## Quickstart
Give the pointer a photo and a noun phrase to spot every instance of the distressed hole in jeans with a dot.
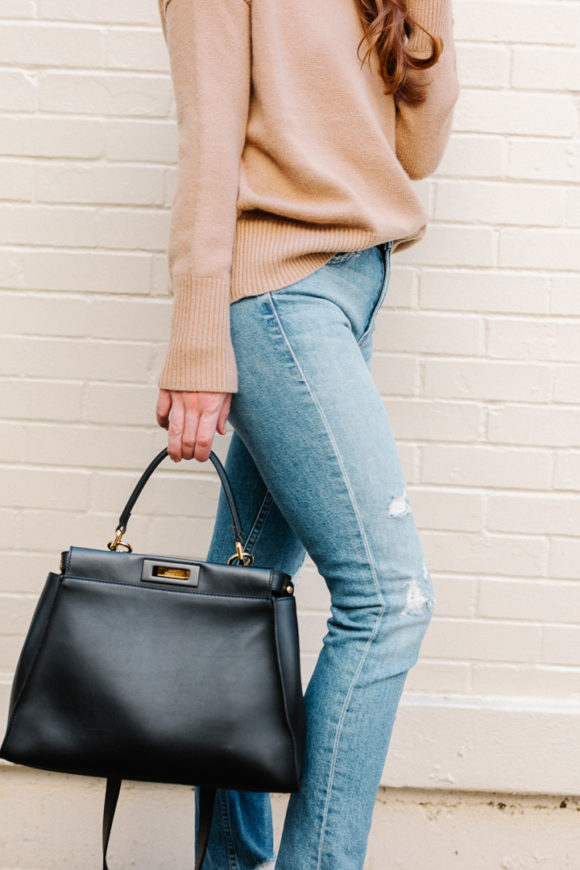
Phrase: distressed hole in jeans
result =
(399, 506)
(415, 598)
(429, 584)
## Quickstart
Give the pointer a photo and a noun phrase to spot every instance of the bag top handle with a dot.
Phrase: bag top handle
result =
(117, 542)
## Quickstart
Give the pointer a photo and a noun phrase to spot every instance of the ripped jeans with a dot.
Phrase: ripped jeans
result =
(315, 469)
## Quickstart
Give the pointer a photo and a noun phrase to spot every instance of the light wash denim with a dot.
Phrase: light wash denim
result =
(315, 469)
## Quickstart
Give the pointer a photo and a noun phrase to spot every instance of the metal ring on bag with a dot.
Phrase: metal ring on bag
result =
(240, 555)
(117, 542)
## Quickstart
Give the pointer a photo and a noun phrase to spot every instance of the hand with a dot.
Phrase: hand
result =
(191, 419)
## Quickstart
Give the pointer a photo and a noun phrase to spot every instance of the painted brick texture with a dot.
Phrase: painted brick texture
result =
(477, 349)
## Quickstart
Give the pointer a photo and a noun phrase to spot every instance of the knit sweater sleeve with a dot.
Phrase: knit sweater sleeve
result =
(423, 129)
(209, 55)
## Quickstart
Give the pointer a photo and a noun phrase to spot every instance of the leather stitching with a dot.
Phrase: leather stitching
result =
(175, 591)
(260, 520)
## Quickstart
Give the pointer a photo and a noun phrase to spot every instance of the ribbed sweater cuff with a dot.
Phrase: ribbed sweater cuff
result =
(434, 16)
(200, 354)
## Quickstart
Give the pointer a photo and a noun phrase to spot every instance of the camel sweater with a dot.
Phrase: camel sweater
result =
(288, 152)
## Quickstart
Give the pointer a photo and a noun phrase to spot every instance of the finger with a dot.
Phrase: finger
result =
(175, 429)
(205, 433)
(190, 423)
(163, 407)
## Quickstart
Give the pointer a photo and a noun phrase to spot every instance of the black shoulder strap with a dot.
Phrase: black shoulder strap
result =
(111, 798)
(207, 800)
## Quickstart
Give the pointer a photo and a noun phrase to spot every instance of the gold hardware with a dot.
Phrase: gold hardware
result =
(289, 589)
(240, 555)
(117, 542)
(179, 573)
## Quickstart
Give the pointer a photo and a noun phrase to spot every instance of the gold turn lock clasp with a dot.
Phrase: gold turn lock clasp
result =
(241, 555)
(176, 573)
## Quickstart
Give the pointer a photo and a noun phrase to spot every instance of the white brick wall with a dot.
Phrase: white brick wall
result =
(477, 350)
(478, 355)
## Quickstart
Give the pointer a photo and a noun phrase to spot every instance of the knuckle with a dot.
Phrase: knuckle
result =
(211, 405)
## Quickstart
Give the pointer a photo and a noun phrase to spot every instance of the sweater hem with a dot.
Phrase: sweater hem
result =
(283, 258)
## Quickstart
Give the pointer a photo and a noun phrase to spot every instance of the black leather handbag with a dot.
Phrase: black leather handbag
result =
(162, 669)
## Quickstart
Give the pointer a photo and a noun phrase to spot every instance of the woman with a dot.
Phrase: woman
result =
(293, 191)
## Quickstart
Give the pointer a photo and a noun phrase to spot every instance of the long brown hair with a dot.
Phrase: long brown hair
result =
(386, 22)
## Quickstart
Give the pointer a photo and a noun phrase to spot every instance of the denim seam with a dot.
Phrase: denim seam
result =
(339, 732)
(225, 816)
(336, 452)
(330, 782)
(260, 519)
(386, 257)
